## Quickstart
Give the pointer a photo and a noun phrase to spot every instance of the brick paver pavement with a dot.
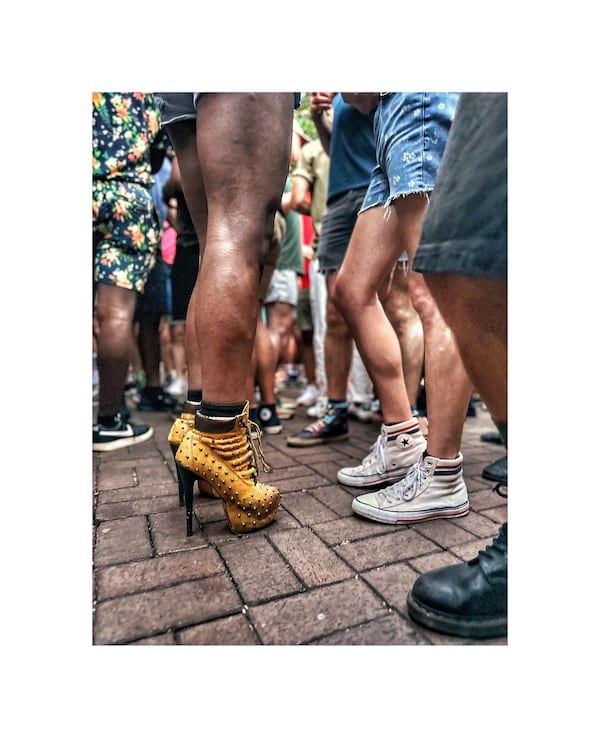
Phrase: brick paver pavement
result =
(318, 575)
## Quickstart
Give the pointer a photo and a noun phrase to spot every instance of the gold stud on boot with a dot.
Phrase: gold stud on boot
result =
(248, 503)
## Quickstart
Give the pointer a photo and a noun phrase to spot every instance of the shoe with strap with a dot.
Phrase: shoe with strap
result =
(468, 599)
(433, 488)
(398, 447)
(333, 426)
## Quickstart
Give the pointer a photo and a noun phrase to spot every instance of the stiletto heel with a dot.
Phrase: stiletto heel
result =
(221, 452)
(178, 430)
(187, 479)
(180, 427)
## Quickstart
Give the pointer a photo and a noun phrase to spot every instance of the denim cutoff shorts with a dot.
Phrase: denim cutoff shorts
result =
(465, 226)
(411, 129)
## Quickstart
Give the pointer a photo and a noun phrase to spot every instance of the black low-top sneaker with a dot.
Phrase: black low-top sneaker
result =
(120, 435)
(469, 599)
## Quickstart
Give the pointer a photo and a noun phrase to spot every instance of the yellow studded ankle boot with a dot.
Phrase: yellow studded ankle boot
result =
(220, 452)
(183, 424)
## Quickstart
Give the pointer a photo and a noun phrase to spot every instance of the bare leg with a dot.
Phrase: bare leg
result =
(447, 383)
(113, 315)
(338, 346)
(395, 298)
(183, 138)
(363, 274)
(243, 144)
(177, 331)
(149, 347)
(475, 310)
(280, 323)
(307, 355)
(266, 363)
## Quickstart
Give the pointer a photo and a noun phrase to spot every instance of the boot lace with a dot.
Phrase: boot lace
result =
(254, 436)
(406, 488)
(498, 545)
(499, 489)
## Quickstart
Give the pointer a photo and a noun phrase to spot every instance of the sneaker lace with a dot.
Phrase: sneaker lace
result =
(375, 456)
(406, 488)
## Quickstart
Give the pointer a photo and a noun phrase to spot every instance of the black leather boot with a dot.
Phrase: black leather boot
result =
(497, 471)
(469, 599)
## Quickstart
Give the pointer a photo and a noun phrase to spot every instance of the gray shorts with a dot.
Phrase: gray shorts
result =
(465, 226)
(283, 287)
(336, 229)
(304, 321)
(176, 106)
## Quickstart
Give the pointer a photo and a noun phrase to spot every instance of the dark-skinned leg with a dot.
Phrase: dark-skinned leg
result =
(243, 144)
(113, 320)
(114, 309)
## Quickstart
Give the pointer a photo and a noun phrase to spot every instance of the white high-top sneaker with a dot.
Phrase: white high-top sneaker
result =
(397, 448)
(433, 488)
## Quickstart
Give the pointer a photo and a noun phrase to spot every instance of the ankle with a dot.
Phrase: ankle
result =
(221, 411)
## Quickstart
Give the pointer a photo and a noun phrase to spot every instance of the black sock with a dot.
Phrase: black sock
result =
(194, 395)
(221, 411)
(108, 420)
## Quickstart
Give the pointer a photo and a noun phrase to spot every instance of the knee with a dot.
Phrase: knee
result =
(421, 298)
(336, 323)
(341, 299)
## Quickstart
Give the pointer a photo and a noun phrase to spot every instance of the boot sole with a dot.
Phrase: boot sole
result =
(454, 625)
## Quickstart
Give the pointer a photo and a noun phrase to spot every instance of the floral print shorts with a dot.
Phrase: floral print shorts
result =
(126, 234)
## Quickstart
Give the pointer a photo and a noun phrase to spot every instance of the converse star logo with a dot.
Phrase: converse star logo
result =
(405, 442)
(264, 414)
